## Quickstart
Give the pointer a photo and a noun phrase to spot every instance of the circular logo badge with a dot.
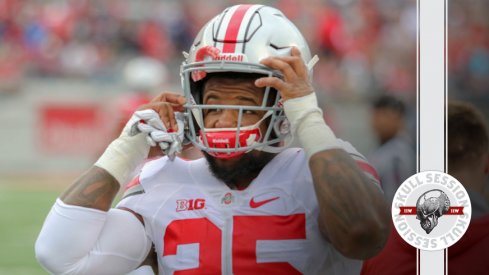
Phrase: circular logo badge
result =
(227, 199)
(431, 210)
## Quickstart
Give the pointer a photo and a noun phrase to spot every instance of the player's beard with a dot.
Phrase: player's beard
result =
(240, 171)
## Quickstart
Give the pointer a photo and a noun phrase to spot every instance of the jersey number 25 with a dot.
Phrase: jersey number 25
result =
(247, 230)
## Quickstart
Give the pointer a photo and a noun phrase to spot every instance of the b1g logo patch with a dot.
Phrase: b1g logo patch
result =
(431, 210)
(189, 205)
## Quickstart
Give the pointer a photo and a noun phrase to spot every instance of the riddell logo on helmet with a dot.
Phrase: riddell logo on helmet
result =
(220, 140)
(230, 57)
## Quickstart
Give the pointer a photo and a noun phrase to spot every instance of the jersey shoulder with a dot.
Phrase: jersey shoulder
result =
(157, 172)
(156, 182)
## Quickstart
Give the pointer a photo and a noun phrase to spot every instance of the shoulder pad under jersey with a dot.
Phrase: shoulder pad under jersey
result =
(133, 188)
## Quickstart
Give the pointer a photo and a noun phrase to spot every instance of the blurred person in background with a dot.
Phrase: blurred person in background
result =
(145, 77)
(468, 152)
(468, 162)
(395, 159)
(252, 205)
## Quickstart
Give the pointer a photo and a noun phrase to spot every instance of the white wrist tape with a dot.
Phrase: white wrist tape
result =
(124, 154)
(307, 122)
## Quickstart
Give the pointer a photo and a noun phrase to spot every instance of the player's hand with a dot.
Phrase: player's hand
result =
(162, 123)
(165, 105)
(296, 82)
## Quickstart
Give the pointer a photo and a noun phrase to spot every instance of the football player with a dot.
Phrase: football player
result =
(252, 205)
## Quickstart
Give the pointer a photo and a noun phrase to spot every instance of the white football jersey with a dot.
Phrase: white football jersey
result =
(200, 226)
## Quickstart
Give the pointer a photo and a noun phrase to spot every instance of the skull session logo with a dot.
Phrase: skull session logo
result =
(428, 210)
(431, 210)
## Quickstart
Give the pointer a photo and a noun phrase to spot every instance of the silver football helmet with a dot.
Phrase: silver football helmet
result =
(235, 41)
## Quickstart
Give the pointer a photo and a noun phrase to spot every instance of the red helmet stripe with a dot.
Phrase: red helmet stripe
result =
(233, 28)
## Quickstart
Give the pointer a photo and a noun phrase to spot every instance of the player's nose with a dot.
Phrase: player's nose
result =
(228, 119)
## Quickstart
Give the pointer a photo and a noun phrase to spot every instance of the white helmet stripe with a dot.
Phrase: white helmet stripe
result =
(245, 25)
(224, 23)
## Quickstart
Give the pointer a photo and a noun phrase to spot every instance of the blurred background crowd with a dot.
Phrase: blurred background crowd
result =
(468, 52)
(365, 46)
(72, 71)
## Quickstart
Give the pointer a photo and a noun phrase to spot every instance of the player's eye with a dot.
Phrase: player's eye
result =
(212, 110)
(249, 112)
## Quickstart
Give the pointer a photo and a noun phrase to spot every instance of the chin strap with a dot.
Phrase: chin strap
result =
(289, 139)
(312, 62)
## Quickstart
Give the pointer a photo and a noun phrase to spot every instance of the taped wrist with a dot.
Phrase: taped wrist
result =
(124, 155)
(308, 125)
